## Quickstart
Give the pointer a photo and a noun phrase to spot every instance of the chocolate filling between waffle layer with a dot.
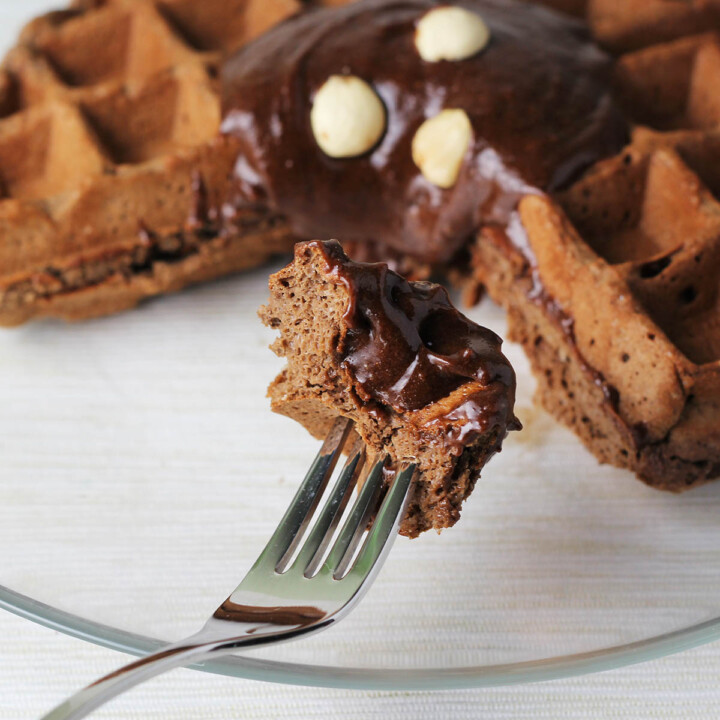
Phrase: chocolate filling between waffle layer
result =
(407, 347)
(537, 97)
(151, 249)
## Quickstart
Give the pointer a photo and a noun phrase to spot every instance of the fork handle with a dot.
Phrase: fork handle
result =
(174, 656)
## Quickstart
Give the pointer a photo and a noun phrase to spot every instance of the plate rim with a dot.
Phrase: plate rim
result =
(361, 678)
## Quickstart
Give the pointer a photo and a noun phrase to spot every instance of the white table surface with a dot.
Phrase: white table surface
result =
(39, 667)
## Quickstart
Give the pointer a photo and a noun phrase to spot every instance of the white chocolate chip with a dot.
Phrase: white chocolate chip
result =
(347, 117)
(450, 33)
(440, 145)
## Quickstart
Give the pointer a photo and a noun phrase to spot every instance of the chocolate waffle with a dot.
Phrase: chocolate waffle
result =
(613, 287)
(111, 168)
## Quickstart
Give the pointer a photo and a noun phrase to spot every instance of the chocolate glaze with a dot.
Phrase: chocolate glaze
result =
(407, 347)
(537, 98)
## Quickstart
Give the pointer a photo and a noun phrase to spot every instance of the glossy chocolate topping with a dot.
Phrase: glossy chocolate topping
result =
(537, 98)
(408, 347)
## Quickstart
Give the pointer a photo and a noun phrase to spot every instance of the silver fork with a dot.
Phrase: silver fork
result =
(286, 596)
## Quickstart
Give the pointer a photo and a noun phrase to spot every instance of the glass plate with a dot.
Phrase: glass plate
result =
(142, 471)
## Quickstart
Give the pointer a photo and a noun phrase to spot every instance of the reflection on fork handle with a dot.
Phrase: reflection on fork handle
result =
(211, 641)
(127, 677)
(92, 697)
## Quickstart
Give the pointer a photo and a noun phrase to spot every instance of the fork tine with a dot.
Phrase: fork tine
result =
(356, 523)
(310, 556)
(288, 533)
(386, 523)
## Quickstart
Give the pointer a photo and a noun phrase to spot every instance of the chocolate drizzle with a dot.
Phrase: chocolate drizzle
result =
(407, 347)
(537, 97)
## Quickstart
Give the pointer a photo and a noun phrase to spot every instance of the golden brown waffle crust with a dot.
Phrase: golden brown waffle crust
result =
(109, 121)
(603, 367)
(614, 293)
